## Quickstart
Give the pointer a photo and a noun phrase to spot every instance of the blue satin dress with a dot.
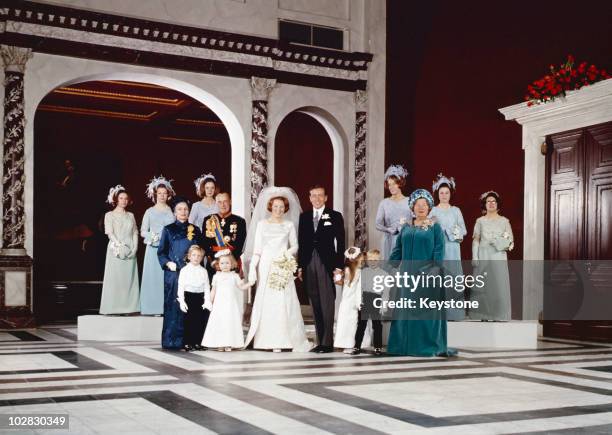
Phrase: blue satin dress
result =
(419, 332)
(176, 239)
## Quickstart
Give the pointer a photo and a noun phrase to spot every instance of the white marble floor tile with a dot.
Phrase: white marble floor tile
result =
(112, 360)
(5, 336)
(38, 361)
(49, 336)
(332, 370)
(75, 382)
(329, 407)
(165, 357)
(246, 412)
(554, 358)
(445, 398)
(68, 374)
(535, 353)
(83, 391)
(579, 368)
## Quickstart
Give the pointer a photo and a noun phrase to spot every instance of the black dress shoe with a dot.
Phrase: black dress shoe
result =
(378, 351)
(188, 348)
(356, 351)
(315, 349)
(325, 349)
(199, 347)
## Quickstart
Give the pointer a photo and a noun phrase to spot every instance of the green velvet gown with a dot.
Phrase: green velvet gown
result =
(419, 332)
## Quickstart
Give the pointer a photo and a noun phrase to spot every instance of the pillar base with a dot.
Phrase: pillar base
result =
(15, 290)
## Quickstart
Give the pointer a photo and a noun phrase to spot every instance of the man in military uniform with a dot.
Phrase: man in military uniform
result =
(223, 230)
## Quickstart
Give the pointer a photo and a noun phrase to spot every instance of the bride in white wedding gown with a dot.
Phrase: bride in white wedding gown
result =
(276, 319)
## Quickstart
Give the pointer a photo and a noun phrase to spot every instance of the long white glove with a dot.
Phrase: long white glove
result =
(171, 265)
(475, 246)
(183, 305)
(253, 270)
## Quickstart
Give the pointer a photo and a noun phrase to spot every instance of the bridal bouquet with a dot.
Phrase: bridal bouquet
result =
(282, 271)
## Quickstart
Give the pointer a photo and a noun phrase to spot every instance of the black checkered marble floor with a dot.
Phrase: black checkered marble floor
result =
(563, 387)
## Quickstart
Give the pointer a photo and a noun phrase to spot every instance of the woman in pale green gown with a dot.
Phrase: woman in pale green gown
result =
(120, 294)
(492, 240)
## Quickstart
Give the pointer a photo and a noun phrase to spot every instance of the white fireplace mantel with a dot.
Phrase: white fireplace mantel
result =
(587, 106)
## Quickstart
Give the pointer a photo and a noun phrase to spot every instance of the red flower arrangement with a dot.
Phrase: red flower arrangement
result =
(559, 81)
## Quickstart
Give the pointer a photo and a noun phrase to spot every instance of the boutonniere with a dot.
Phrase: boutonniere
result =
(325, 216)
(190, 232)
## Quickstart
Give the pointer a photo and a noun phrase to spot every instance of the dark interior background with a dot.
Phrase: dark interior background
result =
(97, 135)
(452, 65)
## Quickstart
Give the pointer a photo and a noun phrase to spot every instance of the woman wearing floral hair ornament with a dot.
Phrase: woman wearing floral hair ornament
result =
(420, 248)
(451, 220)
(206, 188)
(492, 239)
(393, 212)
(159, 190)
(120, 285)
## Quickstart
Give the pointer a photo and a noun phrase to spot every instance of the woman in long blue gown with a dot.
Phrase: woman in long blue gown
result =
(450, 218)
(420, 248)
(154, 220)
(176, 238)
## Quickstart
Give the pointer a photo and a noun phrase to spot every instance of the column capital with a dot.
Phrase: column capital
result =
(261, 88)
(15, 58)
(361, 101)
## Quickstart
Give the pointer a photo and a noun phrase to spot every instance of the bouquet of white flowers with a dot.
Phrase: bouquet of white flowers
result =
(155, 237)
(282, 271)
(503, 242)
(120, 250)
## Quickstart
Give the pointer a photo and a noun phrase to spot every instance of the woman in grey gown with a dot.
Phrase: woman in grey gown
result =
(394, 211)
(492, 240)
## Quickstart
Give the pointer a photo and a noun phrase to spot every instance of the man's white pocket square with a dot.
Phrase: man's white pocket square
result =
(326, 224)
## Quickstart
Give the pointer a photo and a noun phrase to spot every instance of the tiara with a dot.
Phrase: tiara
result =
(396, 170)
(112, 192)
(487, 193)
(223, 253)
(353, 255)
(442, 179)
(201, 178)
(155, 183)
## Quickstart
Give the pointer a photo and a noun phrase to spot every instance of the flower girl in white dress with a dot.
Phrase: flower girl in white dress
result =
(348, 312)
(224, 329)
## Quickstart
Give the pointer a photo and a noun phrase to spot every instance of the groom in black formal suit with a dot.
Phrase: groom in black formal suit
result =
(320, 262)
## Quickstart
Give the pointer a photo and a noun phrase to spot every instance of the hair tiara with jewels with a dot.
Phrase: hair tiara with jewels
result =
(223, 253)
(112, 192)
(201, 178)
(396, 170)
(155, 183)
(354, 255)
(442, 179)
(487, 193)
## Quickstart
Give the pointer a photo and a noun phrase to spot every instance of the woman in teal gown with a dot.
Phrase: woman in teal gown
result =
(419, 248)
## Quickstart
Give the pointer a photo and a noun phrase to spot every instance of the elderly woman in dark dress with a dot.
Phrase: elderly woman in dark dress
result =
(176, 238)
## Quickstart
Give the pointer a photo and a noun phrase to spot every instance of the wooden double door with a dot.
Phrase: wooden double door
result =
(579, 217)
